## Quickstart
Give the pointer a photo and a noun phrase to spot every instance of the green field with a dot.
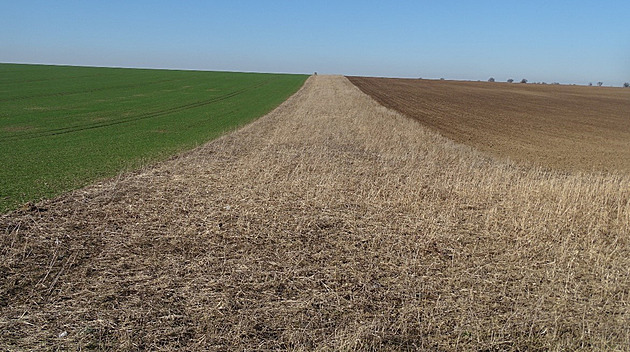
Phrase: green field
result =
(63, 127)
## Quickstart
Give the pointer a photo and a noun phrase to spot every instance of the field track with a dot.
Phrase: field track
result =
(128, 119)
(332, 223)
(556, 126)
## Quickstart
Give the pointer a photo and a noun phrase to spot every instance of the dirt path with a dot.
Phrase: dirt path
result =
(333, 224)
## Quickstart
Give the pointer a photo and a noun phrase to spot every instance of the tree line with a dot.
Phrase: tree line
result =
(599, 84)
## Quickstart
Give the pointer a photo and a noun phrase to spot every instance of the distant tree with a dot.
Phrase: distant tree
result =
(626, 85)
(590, 84)
(599, 84)
(491, 79)
(441, 79)
(523, 80)
(510, 80)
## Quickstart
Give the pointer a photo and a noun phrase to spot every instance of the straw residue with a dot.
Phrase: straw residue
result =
(332, 223)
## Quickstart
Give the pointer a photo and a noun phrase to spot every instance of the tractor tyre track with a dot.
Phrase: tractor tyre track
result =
(113, 122)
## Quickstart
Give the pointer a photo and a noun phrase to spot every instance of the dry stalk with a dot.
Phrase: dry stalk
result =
(330, 224)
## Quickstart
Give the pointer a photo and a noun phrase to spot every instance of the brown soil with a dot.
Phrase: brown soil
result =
(331, 224)
(557, 126)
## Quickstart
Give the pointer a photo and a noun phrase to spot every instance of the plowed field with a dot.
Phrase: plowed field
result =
(330, 224)
(565, 127)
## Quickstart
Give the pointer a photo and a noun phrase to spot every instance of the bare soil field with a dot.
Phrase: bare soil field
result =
(331, 224)
(556, 126)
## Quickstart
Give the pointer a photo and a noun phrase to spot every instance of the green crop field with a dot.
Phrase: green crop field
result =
(62, 127)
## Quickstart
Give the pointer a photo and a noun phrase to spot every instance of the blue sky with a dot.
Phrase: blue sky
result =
(565, 41)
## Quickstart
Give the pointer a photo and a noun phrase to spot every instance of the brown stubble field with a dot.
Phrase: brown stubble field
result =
(331, 224)
(572, 128)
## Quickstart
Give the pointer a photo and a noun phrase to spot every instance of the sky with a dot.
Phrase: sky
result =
(552, 41)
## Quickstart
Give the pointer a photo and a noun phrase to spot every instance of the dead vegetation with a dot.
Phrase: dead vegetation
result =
(332, 223)
(572, 128)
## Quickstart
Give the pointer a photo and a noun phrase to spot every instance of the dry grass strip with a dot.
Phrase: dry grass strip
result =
(330, 224)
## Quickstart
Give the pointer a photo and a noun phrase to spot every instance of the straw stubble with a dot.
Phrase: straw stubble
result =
(332, 223)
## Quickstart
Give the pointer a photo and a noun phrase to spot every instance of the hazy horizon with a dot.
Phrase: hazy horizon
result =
(568, 42)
